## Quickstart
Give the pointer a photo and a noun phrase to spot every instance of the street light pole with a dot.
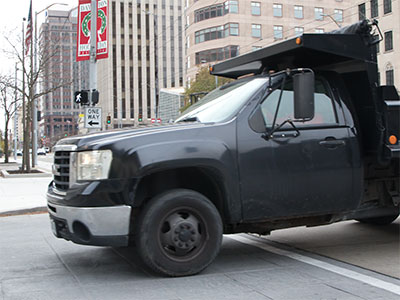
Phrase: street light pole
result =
(25, 147)
(34, 102)
(15, 114)
(92, 53)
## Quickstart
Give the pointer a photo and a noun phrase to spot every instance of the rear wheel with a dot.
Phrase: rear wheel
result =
(384, 220)
(179, 233)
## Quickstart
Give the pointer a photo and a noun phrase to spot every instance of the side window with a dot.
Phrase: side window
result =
(324, 109)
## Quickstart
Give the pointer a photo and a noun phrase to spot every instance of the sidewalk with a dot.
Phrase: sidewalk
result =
(20, 195)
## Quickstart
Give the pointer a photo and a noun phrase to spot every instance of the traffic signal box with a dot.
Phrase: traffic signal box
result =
(82, 97)
(108, 120)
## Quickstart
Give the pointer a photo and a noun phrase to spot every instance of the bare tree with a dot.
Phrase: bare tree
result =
(7, 104)
(37, 80)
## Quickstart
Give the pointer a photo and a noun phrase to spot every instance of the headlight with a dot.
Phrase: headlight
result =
(93, 165)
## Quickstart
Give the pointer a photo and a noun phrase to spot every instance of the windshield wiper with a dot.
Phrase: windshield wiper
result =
(190, 119)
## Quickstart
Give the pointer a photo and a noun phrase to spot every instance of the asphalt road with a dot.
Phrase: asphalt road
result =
(36, 265)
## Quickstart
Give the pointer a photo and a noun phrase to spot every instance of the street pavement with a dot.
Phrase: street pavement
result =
(21, 193)
(372, 247)
(36, 265)
(347, 260)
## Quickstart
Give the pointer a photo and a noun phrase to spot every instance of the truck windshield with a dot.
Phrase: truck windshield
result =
(224, 102)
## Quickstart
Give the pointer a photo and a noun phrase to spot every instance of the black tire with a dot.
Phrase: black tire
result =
(385, 220)
(178, 233)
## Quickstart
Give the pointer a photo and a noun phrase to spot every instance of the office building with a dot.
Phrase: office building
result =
(57, 45)
(146, 42)
(219, 30)
(387, 12)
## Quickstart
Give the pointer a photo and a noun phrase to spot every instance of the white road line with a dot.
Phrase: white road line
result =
(393, 288)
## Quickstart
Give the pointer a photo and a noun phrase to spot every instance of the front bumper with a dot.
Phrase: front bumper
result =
(99, 226)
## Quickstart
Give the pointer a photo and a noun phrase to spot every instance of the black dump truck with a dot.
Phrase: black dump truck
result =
(305, 135)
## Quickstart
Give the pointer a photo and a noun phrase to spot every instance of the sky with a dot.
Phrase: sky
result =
(11, 14)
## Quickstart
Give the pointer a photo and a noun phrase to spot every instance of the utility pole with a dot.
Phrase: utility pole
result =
(35, 101)
(32, 92)
(15, 115)
(93, 47)
(25, 147)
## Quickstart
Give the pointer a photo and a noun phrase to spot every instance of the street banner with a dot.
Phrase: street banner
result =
(84, 26)
(102, 28)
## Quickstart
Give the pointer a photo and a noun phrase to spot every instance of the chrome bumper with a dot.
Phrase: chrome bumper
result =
(103, 226)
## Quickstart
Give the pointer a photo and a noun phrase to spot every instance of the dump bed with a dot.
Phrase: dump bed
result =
(348, 46)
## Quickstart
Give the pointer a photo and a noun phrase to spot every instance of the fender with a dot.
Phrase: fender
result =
(208, 154)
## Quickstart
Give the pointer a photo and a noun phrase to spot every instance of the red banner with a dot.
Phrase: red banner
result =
(84, 27)
(102, 29)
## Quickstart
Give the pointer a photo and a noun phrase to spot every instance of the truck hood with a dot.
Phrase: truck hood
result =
(98, 140)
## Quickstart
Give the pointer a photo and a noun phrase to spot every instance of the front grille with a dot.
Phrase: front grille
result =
(61, 170)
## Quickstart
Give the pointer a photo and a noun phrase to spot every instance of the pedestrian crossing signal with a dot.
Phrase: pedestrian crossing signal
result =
(82, 97)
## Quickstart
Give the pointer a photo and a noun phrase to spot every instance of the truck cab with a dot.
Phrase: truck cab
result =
(303, 136)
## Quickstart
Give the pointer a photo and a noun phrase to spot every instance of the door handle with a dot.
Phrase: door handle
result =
(332, 143)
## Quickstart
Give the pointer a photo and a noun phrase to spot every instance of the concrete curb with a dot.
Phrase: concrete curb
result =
(25, 211)
(5, 174)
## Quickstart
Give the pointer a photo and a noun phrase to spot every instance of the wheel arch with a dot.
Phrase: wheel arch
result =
(204, 180)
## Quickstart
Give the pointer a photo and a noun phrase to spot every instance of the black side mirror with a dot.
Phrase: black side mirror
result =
(303, 87)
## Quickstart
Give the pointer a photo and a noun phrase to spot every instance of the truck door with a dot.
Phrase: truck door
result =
(296, 175)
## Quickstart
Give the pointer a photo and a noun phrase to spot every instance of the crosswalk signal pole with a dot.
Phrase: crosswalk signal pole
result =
(92, 64)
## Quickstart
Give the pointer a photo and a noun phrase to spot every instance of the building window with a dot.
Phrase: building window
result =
(338, 15)
(231, 6)
(277, 10)
(256, 8)
(255, 48)
(214, 11)
(374, 8)
(361, 12)
(233, 28)
(214, 33)
(319, 30)
(298, 31)
(218, 54)
(387, 6)
(388, 41)
(319, 13)
(390, 77)
(278, 32)
(256, 30)
(298, 12)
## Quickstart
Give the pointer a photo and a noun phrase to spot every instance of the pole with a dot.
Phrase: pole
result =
(25, 150)
(92, 63)
(33, 107)
(15, 115)
(34, 101)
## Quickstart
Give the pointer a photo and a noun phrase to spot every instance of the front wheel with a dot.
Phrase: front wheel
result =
(179, 233)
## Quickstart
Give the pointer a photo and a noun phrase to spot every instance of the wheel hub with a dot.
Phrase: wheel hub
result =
(185, 235)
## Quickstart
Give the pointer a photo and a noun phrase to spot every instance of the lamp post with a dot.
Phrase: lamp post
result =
(15, 114)
(34, 102)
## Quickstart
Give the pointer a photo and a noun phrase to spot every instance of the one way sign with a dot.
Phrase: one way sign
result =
(93, 117)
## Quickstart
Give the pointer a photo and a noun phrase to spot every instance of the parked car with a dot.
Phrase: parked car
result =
(41, 151)
(19, 152)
